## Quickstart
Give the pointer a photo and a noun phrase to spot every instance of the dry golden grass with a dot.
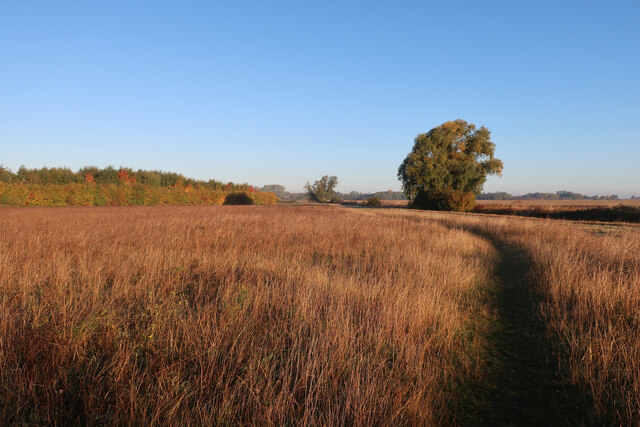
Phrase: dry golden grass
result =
(589, 279)
(268, 315)
(592, 287)
(295, 314)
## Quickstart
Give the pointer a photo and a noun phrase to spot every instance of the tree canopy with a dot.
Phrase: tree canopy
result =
(276, 189)
(323, 190)
(455, 157)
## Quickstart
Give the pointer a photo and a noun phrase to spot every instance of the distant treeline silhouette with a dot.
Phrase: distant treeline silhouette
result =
(558, 195)
(108, 175)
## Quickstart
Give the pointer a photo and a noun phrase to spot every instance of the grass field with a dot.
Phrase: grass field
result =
(561, 203)
(624, 210)
(627, 210)
(317, 315)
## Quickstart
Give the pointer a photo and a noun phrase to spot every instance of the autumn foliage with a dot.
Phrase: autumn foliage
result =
(36, 189)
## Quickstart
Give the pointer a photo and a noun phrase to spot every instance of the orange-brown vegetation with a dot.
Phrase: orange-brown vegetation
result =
(627, 210)
(126, 193)
(230, 314)
(298, 314)
(589, 280)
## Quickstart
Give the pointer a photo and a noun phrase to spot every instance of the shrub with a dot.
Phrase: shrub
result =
(89, 194)
(264, 198)
(374, 202)
(444, 200)
(238, 198)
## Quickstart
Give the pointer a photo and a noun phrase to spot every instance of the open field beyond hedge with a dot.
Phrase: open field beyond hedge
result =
(315, 314)
(627, 210)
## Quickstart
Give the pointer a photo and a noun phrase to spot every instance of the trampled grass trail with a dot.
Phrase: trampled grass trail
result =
(528, 380)
(561, 349)
(525, 384)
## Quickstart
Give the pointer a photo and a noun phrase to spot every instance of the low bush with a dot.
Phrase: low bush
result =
(374, 202)
(264, 198)
(444, 200)
(238, 198)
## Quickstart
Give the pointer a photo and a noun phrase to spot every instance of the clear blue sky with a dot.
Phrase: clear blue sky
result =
(285, 92)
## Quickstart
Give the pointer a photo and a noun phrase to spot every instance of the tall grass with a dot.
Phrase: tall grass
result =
(269, 315)
(622, 211)
(589, 280)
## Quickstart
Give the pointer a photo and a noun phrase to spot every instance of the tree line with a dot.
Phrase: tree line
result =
(110, 175)
(93, 186)
(558, 195)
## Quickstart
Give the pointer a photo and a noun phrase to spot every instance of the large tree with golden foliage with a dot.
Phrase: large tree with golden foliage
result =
(448, 166)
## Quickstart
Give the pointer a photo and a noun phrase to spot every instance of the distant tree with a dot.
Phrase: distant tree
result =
(352, 195)
(390, 195)
(91, 170)
(152, 178)
(276, 189)
(6, 175)
(450, 163)
(125, 176)
(499, 195)
(213, 184)
(323, 190)
(25, 175)
(108, 175)
(374, 202)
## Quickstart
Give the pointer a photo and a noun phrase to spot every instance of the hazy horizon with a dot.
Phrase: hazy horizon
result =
(285, 93)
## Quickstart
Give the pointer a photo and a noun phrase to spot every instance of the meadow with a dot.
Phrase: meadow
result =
(625, 210)
(319, 315)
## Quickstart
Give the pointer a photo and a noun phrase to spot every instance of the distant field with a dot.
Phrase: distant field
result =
(315, 315)
(534, 203)
(560, 203)
(385, 203)
(627, 210)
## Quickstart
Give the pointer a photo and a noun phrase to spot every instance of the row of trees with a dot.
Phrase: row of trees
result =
(92, 186)
(445, 170)
(110, 175)
(558, 195)
(382, 195)
(129, 194)
(324, 190)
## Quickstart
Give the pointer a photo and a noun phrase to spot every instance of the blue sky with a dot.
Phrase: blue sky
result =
(285, 92)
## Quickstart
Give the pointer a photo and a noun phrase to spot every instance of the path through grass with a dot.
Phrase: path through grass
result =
(524, 386)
